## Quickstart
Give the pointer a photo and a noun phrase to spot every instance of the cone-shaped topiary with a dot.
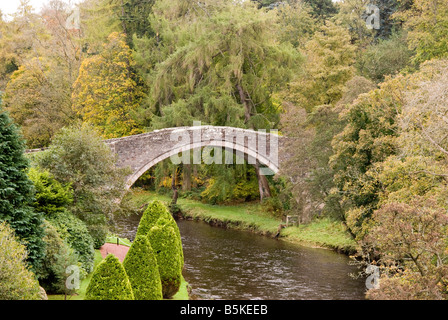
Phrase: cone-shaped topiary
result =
(142, 269)
(169, 221)
(164, 242)
(109, 281)
(153, 212)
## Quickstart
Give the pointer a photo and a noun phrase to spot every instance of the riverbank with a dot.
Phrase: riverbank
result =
(321, 233)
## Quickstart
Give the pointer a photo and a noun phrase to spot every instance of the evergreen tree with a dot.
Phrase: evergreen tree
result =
(142, 269)
(17, 193)
(152, 213)
(164, 242)
(109, 281)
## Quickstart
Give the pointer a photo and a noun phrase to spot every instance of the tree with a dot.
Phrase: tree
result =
(164, 243)
(58, 256)
(322, 9)
(38, 98)
(79, 157)
(16, 196)
(368, 137)
(142, 269)
(386, 57)
(107, 91)
(154, 211)
(410, 240)
(329, 65)
(17, 281)
(201, 73)
(109, 281)
(426, 23)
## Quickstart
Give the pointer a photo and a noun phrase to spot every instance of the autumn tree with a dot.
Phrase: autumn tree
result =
(410, 241)
(107, 91)
(38, 98)
(426, 23)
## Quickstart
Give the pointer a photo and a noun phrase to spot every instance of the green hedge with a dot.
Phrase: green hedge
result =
(142, 269)
(109, 281)
(153, 212)
(164, 242)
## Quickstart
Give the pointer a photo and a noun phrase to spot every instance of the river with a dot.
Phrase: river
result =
(233, 264)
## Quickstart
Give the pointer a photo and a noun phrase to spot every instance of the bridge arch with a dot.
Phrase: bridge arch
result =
(143, 151)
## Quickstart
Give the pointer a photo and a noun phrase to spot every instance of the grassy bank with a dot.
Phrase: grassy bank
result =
(322, 233)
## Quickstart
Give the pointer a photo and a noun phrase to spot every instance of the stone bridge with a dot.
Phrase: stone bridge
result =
(184, 145)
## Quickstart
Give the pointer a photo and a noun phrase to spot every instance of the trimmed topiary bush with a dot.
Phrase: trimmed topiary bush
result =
(153, 212)
(165, 244)
(142, 269)
(169, 221)
(109, 281)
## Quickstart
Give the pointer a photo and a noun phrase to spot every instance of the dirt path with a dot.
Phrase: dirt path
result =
(119, 251)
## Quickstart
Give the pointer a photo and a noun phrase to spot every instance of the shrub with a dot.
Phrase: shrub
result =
(51, 196)
(153, 212)
(164, 242)
(75, 233)
(17, 282)
(142, 269)
(58, 256)
(109, 281)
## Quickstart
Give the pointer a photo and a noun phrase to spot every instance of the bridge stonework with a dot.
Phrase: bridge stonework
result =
(141, 152)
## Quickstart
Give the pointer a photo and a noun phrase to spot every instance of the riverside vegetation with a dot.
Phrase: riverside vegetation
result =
(364, 111)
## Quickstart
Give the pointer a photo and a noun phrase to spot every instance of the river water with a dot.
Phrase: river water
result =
(232, 264)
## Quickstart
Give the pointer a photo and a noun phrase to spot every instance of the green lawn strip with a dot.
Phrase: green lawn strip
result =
(182, 294)
(122, 241)
(322, 233)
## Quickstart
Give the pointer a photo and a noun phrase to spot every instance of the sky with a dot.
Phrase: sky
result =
(10, 6)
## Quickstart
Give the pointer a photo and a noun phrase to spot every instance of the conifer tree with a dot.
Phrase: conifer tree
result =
(142, 269)
(16, 192)
(109, 281)
(164, 242)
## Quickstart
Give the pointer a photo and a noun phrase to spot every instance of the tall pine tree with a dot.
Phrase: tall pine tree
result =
(16, 192)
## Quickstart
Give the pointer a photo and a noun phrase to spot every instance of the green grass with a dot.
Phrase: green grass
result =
(322, 233)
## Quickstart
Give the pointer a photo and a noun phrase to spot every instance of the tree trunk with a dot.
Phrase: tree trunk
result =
(263, 184)
(186, 183)
(195, 174)
(174, 187)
